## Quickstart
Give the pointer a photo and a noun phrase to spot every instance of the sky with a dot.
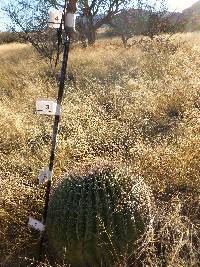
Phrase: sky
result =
(180, 5)
(174, 5)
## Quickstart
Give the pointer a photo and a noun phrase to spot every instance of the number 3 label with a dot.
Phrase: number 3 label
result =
(47, 107)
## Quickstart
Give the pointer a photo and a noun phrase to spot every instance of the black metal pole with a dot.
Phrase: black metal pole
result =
(56, 122)
(55, 131)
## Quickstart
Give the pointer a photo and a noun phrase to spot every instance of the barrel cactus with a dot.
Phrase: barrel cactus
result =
(93, 219)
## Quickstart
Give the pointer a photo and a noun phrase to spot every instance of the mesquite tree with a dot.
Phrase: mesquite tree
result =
(147, 19)
(95, 13)
(29, 20)
(143, 18)
(30, 16)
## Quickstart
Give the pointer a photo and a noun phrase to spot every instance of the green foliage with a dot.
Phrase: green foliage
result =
(141, 19)
(93, 219)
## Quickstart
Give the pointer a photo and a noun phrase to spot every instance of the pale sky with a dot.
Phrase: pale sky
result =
(173, 5)
(180, 5)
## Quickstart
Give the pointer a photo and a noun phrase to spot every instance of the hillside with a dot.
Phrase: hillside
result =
(193, 10)
(136, 108)
(192, 15)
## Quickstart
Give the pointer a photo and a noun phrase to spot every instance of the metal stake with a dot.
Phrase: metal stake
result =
(55, 132)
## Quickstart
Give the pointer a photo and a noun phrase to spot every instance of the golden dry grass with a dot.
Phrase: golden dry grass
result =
(137, 107)
(6, 50)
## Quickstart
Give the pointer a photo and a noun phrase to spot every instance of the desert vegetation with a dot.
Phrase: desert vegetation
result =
(9, 37)
(135, 109)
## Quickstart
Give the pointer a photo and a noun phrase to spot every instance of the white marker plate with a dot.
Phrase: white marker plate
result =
(37, 225)
(70, 20)
(47, 107)
(55, 19)
(44, 175)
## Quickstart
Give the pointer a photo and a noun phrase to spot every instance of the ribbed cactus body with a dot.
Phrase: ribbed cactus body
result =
(93, 219)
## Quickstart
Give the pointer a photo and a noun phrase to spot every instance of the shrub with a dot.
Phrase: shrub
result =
(9, 37)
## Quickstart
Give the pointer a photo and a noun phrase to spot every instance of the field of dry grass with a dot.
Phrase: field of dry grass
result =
(138, 108)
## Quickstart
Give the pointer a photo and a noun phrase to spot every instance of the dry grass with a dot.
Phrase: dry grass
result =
(137, 107)
(6, 50)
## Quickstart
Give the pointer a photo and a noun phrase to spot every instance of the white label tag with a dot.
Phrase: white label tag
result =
(45, 175)
(37, 225)
(70, 20)
(47, 107)
(55, 18)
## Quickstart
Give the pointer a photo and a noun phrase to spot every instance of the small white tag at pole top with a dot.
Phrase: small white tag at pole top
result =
(45, 175)
(70, 20)
(37, 225)
(47, 107)
(55, 18)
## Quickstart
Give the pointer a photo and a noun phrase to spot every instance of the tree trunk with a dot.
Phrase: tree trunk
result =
(124, 40)
(91, 36)
(87, 30)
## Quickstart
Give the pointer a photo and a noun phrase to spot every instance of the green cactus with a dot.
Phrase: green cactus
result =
(93, 219)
